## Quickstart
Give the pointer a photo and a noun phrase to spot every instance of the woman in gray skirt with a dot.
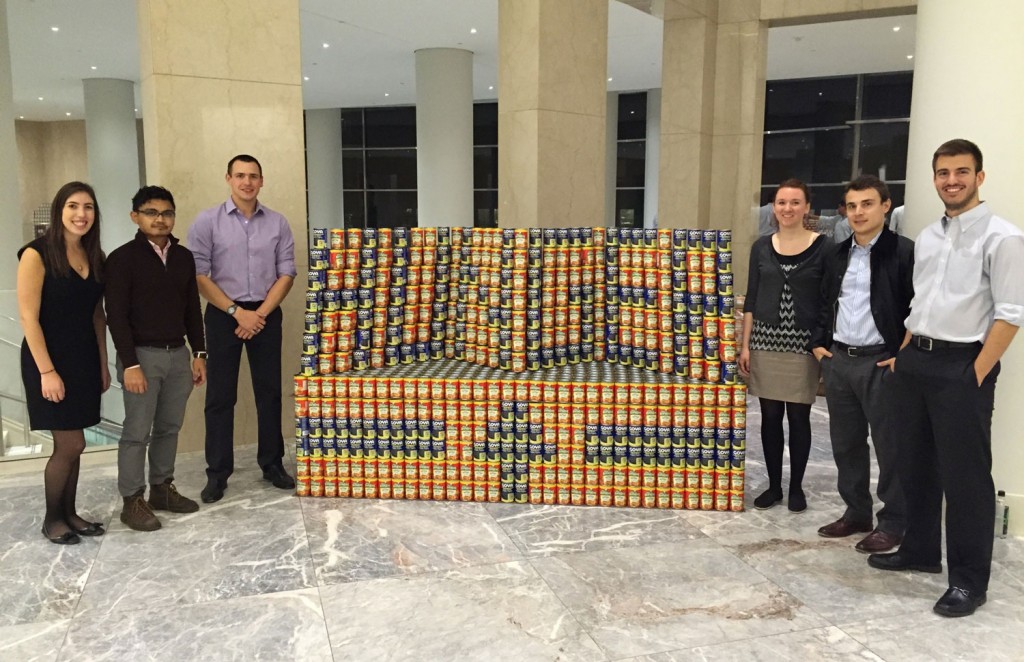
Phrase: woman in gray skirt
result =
(783, 299)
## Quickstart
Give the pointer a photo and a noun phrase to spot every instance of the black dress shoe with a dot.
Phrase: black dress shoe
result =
(214, 491)
(898, 561)
(279, 477)
(94, 529)
(958, 602)
(66, 538)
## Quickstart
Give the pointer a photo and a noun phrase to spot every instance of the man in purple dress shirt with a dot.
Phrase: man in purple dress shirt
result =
(245, 266)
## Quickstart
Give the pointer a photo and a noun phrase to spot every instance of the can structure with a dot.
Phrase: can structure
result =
(561, 367)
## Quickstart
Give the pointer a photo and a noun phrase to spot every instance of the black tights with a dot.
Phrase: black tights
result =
(774, 442)
(60, 479)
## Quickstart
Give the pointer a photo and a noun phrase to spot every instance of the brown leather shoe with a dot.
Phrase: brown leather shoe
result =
(841, 528)
(137, 514)
(167, 497)
(878, 542)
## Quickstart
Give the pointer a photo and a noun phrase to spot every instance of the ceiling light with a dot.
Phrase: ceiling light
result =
(21, 117)
(386, 94)
(326, 45)
(40, 98)
(54, 28)
(93, 68)
(910, 57)
(136, 110)
(472, 31)
(895, 28)
(305, 78)
(609, 79)
(68, 114)
(490, 87)
(632, 112)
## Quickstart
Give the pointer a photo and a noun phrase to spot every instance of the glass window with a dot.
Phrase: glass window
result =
(352, 128)
(886, 95)
(632, 116)
(390, 209)
(352, 169)
(391, 169)
(629, 208)
(391, 127)
(485, 209)
(630, 165)
(883, 150)
(810, 102)
(355, 209)
(485, 167)
(813, 156)
(485, 123)
(897, 193)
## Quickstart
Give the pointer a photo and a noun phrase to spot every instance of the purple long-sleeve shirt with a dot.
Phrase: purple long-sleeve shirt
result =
(243, 257)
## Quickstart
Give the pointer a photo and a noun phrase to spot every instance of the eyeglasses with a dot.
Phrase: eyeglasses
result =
(152, 213)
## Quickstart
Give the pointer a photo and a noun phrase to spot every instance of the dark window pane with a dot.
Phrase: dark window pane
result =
(629, 209)
(633, 116)
(352, 128)
(355, 209)
(485, 167)
(813, 156)
(352, 169)
(485, 123)
(390, 209)
(883, 150)
(629, 171)
(886, 95)
(391, 168)
(391, 127)
(485, 209)
(809, 102)
(897, 193)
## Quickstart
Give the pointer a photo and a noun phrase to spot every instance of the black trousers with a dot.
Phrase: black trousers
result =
(859, 396)
(944, 428)
(264, 353)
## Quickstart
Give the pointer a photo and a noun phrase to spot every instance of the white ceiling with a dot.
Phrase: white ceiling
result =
(370, 60)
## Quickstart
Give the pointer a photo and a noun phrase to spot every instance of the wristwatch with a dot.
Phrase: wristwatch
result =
(200, 355)
(231, 309)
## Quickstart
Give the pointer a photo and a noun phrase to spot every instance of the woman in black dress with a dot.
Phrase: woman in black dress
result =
(64, 354)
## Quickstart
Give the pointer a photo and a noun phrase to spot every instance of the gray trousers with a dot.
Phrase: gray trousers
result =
(859, 396)
(153, 419)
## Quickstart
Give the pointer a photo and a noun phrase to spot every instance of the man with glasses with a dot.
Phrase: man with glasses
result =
(152, 303)
(245, 260)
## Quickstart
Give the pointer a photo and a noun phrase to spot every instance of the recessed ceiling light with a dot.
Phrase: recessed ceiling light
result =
(305, 78)
(632, 112)
(93, 67)
(386, 94)
(68, 114)
(895, 28)
(54, 28)
(819, 94)
(609, 79)
(910, 57)
(136, 110)
(21, 117)
(326, 45)
(490, 87)
(40, 98)
(472, 31)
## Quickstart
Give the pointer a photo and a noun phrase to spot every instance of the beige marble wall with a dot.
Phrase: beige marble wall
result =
(802, 10)
(551, 112)
(50, 154)
(218, 80)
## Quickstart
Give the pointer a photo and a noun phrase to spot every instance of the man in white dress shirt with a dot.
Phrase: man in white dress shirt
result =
(968, 304)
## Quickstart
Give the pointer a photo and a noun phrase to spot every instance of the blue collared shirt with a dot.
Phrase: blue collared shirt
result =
(854, 324)
(243, 256)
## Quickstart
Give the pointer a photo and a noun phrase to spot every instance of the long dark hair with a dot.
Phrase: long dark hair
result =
(56, 254)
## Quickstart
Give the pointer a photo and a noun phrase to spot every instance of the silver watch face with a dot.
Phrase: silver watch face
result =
(231, 309)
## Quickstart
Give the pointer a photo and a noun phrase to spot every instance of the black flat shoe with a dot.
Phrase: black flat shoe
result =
(66, 538)
(94, 529)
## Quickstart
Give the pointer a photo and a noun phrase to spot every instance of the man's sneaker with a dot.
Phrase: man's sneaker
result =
(137, 515)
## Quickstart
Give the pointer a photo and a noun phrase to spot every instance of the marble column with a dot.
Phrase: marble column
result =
(444, 137)
(982, 107)
(324, 168)
(652, 158)
(12, 226)
(611, 156)
(216, 82)
(552, 81)
(112, 146)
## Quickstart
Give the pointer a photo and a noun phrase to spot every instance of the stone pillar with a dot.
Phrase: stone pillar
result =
(324, 168)
(12, 226)
(552, 80)
(216, 82)
(611, 155)
(652, 158)
(996, 128)
(444, 137)
(112, 146)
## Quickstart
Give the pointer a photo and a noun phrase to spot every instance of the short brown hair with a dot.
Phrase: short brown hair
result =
(956, 147)
(864, 182)
(793, 183)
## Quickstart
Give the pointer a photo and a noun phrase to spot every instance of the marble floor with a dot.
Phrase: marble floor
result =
(265, 575)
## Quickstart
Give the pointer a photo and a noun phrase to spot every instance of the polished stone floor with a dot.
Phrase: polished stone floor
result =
(264, 575)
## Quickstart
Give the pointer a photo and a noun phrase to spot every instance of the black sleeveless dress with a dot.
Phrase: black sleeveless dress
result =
(65, 313)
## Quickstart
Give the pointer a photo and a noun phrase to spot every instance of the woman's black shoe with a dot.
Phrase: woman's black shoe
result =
(94, 529)
(767, 499)
(66, 538)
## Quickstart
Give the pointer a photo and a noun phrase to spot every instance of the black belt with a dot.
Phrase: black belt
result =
(165, 347)
(930, 344)
(863, 350)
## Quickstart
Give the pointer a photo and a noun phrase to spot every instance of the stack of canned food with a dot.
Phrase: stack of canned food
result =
(522, 299)
(596, 434)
